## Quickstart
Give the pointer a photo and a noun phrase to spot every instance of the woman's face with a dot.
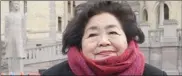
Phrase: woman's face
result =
(103, 37)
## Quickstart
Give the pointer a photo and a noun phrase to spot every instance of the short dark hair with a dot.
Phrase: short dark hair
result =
(74, 31)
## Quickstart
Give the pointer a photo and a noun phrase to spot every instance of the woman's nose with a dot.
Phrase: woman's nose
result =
(104, 41)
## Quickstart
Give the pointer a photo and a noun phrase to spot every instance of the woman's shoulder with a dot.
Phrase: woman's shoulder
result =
(150, 70)
(61, 69)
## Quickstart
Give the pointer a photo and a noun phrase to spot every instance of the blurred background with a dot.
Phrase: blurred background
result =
(43, 23)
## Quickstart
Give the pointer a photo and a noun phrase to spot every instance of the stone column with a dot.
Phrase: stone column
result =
(155, 50)
(0, 46)
(72, 9)
(181, 45)
(65, 17)
(24, 23)
(14, 23)
(179, 50)
(52, 24)
(161, 4)
(156, 57)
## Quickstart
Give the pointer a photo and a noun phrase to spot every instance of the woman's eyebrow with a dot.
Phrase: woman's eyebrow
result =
(111, 26)
(92, 28)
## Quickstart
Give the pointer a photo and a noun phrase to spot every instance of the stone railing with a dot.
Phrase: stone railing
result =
(155, 36)
(163, 46)
(155, 53)
(170, 22)
(43, 54)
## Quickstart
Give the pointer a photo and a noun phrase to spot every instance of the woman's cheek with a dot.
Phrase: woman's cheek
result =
(89, 48)
(119, 43)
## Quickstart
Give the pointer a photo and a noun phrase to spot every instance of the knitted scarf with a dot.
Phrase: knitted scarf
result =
(130, 62)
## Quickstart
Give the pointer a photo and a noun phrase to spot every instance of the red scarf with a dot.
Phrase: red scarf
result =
(130, 62)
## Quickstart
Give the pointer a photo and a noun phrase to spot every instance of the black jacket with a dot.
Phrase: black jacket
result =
(63, 69)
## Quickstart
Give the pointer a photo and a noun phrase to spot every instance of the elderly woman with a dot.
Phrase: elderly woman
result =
(102, 41)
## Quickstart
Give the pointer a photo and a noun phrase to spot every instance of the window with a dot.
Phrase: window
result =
(59, 24)
(166, 12)
(145, 15)
(163, 14)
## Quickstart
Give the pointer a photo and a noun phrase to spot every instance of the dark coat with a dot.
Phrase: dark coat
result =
(63, 69)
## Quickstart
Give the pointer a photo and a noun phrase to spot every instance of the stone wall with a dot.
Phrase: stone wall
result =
(162, 47)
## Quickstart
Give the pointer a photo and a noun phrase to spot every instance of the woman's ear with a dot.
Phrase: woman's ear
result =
(136, 38)
(140, 38)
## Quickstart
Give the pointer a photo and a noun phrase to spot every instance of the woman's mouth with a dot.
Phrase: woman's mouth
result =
(106, 53)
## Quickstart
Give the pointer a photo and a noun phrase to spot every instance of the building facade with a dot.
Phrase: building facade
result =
(159, 20)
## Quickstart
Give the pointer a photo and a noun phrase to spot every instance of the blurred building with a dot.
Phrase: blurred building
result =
(46, 21)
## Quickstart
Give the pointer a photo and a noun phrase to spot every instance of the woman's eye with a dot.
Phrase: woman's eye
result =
(113, 33)
(92, 35)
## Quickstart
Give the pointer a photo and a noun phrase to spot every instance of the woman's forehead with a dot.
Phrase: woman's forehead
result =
(105, 20)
